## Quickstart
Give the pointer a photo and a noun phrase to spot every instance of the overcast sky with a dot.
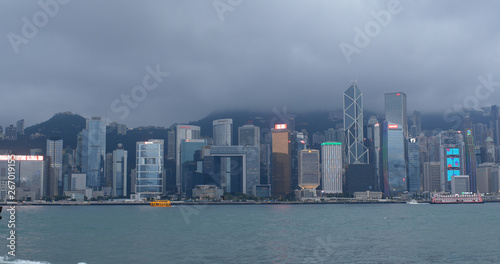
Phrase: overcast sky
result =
(255, 55)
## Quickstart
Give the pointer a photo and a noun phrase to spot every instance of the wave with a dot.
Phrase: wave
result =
(7, 260)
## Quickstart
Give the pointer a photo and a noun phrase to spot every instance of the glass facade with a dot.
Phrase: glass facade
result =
(394, 159)
(249, 135)
(55, 152)
(414, 181)
(182, 132)
(149, 168)
(120, 172)
(94, 152)
(188, 150)
(395, 110)
(222, 132)
(353, 125)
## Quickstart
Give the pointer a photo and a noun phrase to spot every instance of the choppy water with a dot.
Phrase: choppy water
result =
(373, 233)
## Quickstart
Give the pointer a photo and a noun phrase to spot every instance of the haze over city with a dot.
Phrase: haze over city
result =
(255, 55)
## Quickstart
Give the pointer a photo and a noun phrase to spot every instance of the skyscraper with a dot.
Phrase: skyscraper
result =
(452, 157)
(309, 174)
(470, 160)
(353, 125)
(20, 126)
(149, 168)
(222, 132)
(119, 171)
(414, 179)
(94, 152)
(183, 132)
(331, 162)
(395, 110)
(188, 149)
(55, 152)
(394, 161)
(281, 161)
(249, 135)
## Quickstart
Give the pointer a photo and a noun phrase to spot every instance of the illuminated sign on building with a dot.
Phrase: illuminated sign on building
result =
(393, 126)
(22, 157)
(280, 126)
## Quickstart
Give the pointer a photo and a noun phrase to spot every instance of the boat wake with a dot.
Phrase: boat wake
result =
(7, 260)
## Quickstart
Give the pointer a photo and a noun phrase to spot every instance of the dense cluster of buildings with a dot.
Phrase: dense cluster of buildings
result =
(390, 155)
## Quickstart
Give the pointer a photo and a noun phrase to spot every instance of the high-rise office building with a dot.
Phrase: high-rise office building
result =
(417, 122)
(373, 140)
(414, 180)
(243, 174)
(55, 152)
(149, 168)
(495, 124)
(249, 135)
(94, 152)
(470, 160)
(20, 126)
(459, 184)
(183, 132)
(171, 144)
(394, 160)
(353, 125)
(189, 147)
(281, 161)
(359, 178)
(452, 157)
(309, 173)
(331, 162)
(395, 110)
(119, 171)
(222, 132)
(432, 177)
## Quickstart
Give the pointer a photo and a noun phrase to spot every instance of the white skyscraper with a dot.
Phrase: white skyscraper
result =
(149, 168)
(223, 129)
(331, 162)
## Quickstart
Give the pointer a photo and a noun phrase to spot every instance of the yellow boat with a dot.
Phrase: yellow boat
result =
(160, 203)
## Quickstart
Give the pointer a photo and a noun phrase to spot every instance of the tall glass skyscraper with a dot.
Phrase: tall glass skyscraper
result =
(183, 132)
(188, 150)
(55, 152)
(470, 160)
(394, 159)
(395, 110)
(94, 152)
(149, 168)
(414, 179)
(222, 132)
(120, 171)
(331, 162)
(353, 125)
